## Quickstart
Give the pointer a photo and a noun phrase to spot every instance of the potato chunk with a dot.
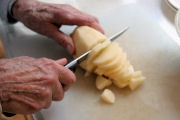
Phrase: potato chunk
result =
(108, 96)
(102, 82)
(134, 83)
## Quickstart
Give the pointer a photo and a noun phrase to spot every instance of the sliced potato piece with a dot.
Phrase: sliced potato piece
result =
(95, 52)
(83, 64)
(122, 62)
(107, 55)
(137, 74)
(87, 63)
(122, 79)
(114, 63)
(123, 70)
(99, 71)
(102, 82)
(136, 82)
(108, 96)
(85, 38)
(120, 83)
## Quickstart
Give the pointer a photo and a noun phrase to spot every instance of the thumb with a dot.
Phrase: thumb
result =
(62, 61)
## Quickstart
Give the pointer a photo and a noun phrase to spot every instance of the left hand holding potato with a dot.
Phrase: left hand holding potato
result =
(46, 19)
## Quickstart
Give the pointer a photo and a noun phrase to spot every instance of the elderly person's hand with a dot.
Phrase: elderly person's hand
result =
(28, 84)
(46, 19)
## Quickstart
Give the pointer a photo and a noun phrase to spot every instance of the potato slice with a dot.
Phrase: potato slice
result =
(122, 80)
(95, 52)
(102, 82)
(114, 63)
(99, 71)
(136, 82)
(113, 72)
(137, 74)
(85, 38)
(123, 70)
(108, 96)
(122, 62)
(107, 55)
(120, 83)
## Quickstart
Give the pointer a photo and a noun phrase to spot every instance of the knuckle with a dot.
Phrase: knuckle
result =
(51, 79)
(72, 78)
(46, 93)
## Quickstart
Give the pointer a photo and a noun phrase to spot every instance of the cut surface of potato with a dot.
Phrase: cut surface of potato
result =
(107, 55)
(123, 70)
(89, 66)
(120, 83)
(136, 82)
(114, 62)
(85, 38)
(99, 71)
(122, 62)
(102, 82)
(137, 74)
(108, 96)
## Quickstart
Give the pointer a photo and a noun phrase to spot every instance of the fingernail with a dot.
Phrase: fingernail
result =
(69, 49)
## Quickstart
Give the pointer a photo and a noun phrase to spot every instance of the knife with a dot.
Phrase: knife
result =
(71, 64)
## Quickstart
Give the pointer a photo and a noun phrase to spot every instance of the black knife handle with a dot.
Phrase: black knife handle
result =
(8, 114)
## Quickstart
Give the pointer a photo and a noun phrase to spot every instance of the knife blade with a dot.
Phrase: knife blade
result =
(112, 38)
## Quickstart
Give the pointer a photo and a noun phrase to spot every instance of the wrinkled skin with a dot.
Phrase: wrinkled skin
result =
(28, 84)
(46, 19)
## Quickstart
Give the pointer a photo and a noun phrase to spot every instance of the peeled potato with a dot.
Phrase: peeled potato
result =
(85, 38)
(106, 59)
(108, 96)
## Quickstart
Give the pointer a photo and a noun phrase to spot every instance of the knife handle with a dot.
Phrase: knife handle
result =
(8, 114)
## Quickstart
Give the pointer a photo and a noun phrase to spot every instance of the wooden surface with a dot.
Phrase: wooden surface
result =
(16, 117)
(2, 51)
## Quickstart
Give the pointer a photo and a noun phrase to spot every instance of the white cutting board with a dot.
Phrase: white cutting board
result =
(149, 49)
